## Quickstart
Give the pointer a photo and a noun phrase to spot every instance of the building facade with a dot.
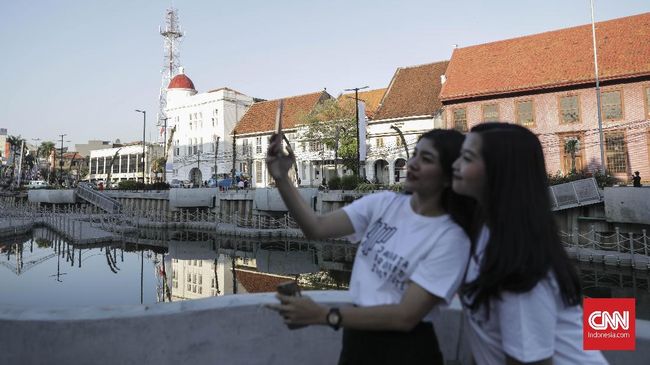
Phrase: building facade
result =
(199, 128)
(411, 107)
(551, 90)
(256, 127)
(124, 163)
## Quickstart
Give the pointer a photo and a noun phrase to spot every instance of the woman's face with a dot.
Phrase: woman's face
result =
(469, 169)
(424, 174)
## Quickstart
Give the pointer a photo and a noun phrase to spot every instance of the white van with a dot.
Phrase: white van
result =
(38, 184)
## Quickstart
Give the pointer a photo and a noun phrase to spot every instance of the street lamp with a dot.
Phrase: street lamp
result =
(61, 160)
(144, 126)
(356, 116)
(38, 148)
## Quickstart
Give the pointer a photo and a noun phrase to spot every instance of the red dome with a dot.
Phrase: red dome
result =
(181, 81)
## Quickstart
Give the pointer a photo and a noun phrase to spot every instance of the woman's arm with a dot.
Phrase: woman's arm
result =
(332, 225)
(415, 304)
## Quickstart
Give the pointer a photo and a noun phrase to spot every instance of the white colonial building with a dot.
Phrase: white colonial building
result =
(200, 126)
(256, 127)
(410, 106)
(127, 164)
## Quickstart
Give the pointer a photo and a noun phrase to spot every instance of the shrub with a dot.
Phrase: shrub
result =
(602, 180)
(334, 183)
(350, 182)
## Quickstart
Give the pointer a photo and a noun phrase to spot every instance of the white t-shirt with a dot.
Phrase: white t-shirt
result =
(398, 245)
(529, 326)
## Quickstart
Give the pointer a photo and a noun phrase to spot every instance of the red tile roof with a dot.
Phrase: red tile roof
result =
(258, 282)
(260, 117)
(553, 59)
(372, 98)
(413, 91)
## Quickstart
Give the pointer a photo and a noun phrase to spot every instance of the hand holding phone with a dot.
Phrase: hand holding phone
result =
(290, 288)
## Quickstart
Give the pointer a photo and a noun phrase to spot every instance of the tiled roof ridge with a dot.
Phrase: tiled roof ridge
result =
(291, 97)
(572, 28)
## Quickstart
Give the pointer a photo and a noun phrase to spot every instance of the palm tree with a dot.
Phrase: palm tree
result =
(14, 145)
(45, 151)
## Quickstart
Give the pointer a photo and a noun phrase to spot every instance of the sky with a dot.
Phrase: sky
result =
(81, 67)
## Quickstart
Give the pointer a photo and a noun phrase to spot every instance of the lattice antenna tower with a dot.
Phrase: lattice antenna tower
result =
(172, 35)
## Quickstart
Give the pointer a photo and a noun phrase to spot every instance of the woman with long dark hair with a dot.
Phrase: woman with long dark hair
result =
(410, 260)
(521, 294)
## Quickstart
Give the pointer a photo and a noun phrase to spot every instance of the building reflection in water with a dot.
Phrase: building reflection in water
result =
(186, 265)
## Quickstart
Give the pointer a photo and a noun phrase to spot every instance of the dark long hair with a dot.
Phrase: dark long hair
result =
(524, 245)
(461, 208)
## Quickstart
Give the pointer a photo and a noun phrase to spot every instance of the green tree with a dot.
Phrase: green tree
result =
(15, 142)
(332, 123)
(45, 151)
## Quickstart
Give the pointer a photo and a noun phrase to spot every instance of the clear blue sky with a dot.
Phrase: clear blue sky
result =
(81, 67)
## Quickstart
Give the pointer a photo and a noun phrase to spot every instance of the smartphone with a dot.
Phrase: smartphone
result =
(278, 117)
(290, 288)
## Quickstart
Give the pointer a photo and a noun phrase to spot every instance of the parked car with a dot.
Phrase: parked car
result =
(187, 184)
(38, 184)
(175, 183)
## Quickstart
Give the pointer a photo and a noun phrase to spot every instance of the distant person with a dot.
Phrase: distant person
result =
(636, 180)
(410, 261)
(100, 186)
(240, 184)
(521, 296)
(246, 183)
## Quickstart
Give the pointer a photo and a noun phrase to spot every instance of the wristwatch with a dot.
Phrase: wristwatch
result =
(334, 318)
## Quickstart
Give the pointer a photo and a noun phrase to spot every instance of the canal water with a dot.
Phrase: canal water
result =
(43, 271)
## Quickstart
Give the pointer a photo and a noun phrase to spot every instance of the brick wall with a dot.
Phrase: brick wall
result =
(635, 124)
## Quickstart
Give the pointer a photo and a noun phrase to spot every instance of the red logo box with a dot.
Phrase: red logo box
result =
(608, 324)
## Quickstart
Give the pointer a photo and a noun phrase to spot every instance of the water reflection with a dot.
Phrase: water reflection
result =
(162, 266)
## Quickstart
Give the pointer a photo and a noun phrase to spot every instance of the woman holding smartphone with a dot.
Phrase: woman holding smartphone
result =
(521, 294)
(411, 258)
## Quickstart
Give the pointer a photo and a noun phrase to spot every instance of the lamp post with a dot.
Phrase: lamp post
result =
(600, 118)
(165, 151)
(216, 152)
(401, 137)
(144, 126)
(356, 116)
(38, 149)
(61, 160)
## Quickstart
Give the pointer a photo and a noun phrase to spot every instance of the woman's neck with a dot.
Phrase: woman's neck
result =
(429, 206)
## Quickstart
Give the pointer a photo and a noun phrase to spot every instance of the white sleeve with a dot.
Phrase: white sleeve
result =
(442, 269)
(360, 212)
(528, 322)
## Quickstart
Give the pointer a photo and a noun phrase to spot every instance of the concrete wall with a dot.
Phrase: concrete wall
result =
(233, 329)
(267, 199)
(627, 205)
(187, 198)
(67, 196)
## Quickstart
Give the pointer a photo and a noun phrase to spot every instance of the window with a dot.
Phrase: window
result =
(611, 104)
(258, 145)
(525, 114)
(569, 109)
(460, 119)
(615, 151)
(258, 172)
(315, 146)
(491, 113)
(379, 142)
(647, 102)
(571, 151)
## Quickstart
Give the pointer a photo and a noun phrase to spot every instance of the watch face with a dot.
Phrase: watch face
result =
(333, 318)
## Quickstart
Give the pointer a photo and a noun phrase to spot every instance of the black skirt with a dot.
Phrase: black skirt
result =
(419, 346)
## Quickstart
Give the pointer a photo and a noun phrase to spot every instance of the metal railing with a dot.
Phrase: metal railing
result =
(98, 199)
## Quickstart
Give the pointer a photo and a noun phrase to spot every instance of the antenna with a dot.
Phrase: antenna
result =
(171, 33)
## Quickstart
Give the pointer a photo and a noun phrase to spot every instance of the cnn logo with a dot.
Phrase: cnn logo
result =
(608, 324)
(602, 320)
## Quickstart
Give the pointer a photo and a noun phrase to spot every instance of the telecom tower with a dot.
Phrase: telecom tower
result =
(172, 34)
